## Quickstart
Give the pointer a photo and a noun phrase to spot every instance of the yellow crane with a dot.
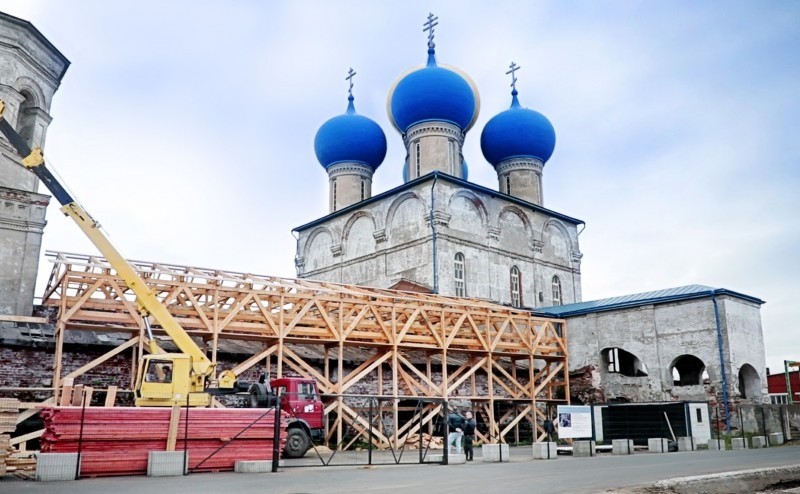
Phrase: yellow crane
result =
(163, 379)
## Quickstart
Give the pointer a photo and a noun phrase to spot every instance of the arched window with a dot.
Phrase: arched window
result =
(557, 291)
(333, 195)
(516, 291)
(363, 189)
(26, 121)
(418, 159)
(508, 184)
(458, 275)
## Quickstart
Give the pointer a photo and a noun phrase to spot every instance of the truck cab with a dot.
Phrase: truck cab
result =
(300, 399)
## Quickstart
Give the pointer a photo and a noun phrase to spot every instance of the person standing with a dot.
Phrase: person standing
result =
(455, 422)
(469, 434)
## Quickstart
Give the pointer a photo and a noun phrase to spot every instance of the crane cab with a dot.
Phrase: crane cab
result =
(166, 380)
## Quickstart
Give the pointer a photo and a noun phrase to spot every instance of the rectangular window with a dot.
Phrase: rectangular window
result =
(451, 158)
(699, 415)
(458, 274)
(363, 190)
(418, 159)
(515, 291)
(508, 185)
(333, 195)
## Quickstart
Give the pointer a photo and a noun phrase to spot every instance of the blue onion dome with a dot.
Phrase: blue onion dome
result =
(350, 138)
(517, 133)
(433, 93)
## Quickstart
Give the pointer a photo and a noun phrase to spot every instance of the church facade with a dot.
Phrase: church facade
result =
(438, 232)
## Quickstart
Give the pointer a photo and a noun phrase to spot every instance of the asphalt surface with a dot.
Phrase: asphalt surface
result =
(562, 475)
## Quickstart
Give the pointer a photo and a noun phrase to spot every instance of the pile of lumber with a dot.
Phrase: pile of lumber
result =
(116, 441)
(428, 441)
(9, 412)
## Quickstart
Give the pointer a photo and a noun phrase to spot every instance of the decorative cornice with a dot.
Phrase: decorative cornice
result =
(379, 235)
(493, 233)
(433, 128)
(440, 218)
(358, 169)
(576, 257)
(515, 164)
(336, 250)
(22, 226)
(537, 246)
(299, 262)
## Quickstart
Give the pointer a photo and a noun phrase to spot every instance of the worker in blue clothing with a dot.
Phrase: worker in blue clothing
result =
(455, 422)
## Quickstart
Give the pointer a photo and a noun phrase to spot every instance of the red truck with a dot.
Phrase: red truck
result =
(301, 400)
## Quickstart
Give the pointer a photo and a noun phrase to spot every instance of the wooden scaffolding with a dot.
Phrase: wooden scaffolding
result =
(353, 340)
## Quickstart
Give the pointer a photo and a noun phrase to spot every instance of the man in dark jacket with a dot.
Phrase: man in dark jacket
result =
(455, 422)
(469, 434)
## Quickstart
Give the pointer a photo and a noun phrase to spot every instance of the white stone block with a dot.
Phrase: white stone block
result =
(495, 453)
(583, 448)
(687, 443)
(716, 445)
(658, 445)
(452, 458)
(254, 466)
(739, 443)
(545, 451)
(622, 447)
(56, 466)
(758, 442)
(776, 439)
(166, 463)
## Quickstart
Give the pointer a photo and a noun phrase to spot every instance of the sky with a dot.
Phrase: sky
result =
(186, 127)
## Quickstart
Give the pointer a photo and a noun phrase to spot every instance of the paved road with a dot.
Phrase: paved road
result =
(563, 475)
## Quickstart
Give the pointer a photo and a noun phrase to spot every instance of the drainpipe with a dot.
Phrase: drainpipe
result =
(722, 363)
(433, 228)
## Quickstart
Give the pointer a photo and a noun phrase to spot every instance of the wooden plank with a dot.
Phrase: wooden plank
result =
(66, 392)
(99, 360)
(77, 395)
(27, 319)
(26, 437)
(111, 396)
(174, 421)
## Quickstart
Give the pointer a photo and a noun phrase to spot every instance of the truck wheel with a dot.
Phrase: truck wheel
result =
(297, 443)
(255, 399)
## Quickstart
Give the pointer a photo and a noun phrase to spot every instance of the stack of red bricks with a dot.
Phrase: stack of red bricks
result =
(116, 440)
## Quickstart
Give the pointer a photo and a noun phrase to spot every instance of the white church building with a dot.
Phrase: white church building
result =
(439, 233)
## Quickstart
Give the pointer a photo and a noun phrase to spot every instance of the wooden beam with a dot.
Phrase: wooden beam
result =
(103, 358)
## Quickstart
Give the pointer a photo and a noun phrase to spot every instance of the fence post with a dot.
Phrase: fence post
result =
(369, 432)
(446, 451)
(276, 435)
(186, 437)
(80, 435)
(764, 424)
(741, 425)
(716, 413)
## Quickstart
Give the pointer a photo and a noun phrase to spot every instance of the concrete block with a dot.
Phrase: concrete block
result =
(583, 448)
(739, 443)
(56, 466)
(716, 445)
(166, 463)
(687, 443)
(452, 458)
(658, 445)
(622, 447)
(545, 451)
(758, 442)
(254, 466)
(776, 439)
(495, 453)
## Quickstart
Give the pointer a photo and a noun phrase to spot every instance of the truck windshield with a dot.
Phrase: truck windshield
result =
(306, 391)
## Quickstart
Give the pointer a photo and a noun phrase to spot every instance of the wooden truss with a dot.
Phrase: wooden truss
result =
(354, 341)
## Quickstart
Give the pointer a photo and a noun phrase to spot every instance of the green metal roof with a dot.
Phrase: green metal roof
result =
(687, 292)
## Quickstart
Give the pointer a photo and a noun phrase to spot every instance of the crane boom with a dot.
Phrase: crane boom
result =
(202, 368)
